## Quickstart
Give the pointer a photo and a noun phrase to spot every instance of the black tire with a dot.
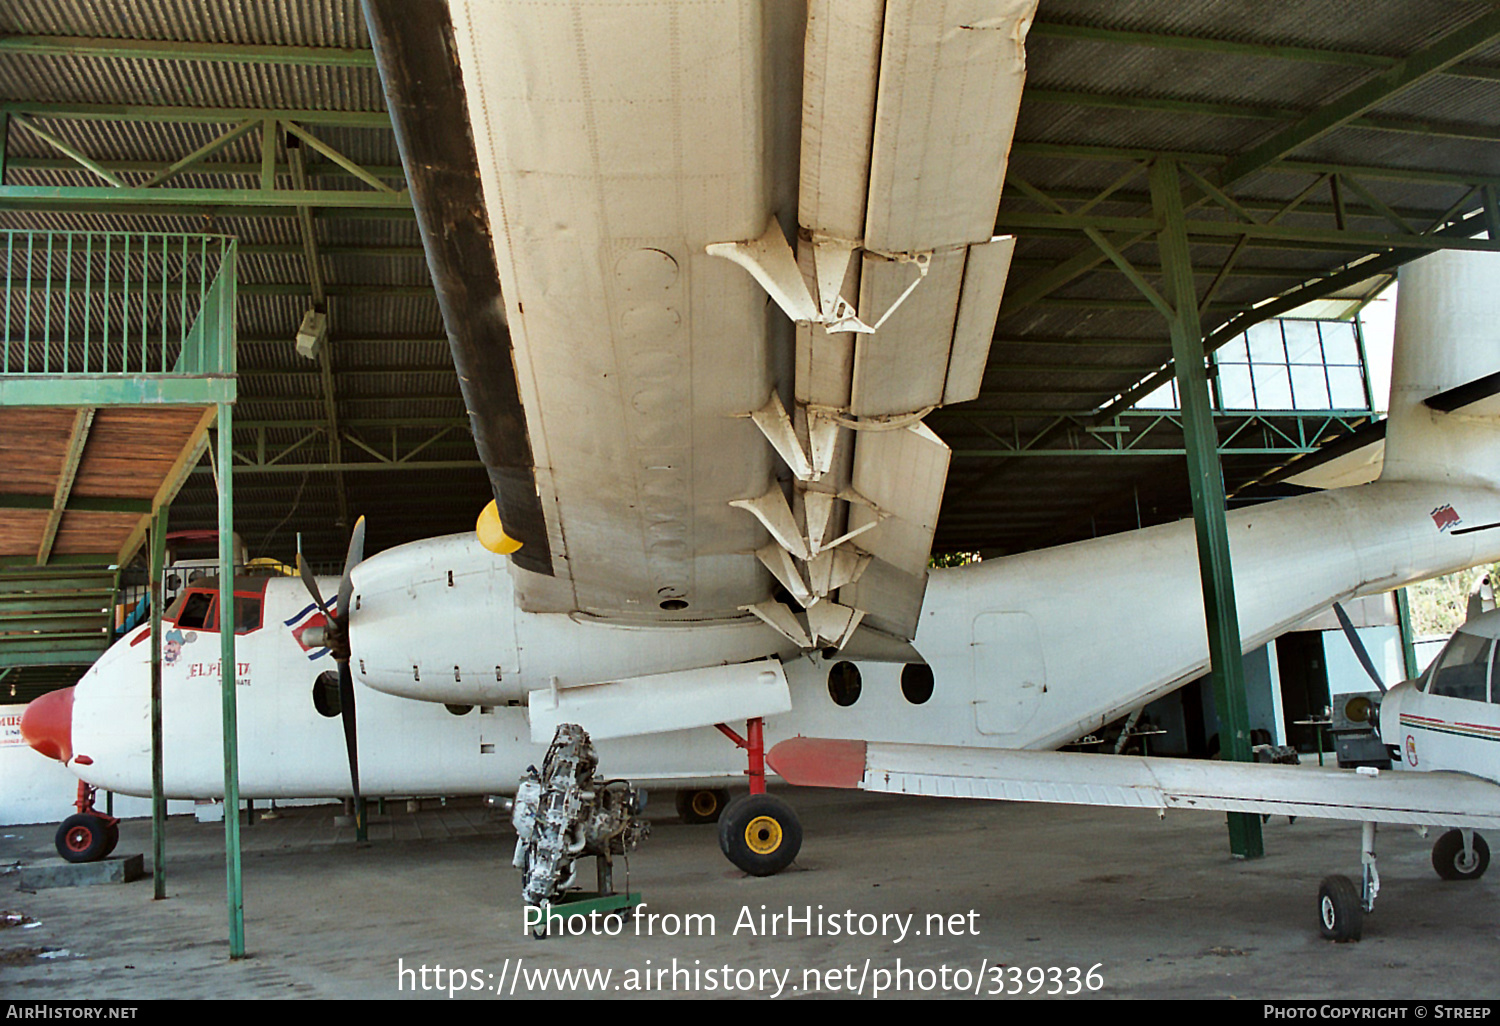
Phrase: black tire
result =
(760, 834)
(1448, 857)
(702, 806)
(1341, 913)
(111, 839)
(82, 838)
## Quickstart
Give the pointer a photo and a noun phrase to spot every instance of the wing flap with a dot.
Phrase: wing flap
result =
(951, 74)
(903, 366)
(985, 274)
(841, 62)
(907, 116)
(901, 473)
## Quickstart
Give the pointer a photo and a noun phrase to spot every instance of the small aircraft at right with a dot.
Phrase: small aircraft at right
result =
(1426, 753)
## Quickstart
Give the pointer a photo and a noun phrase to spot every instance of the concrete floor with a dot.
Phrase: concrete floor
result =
(1158, 906)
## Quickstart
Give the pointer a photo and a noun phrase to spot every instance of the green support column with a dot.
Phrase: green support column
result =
(1364, 365)
(1207, 485)
(1408, 648)
(227, 674)
(158, 797)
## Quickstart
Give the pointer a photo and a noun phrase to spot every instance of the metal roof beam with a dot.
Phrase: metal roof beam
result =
(1347, 109)
(165, 50)
(78, 157)
(366, 370)
(1264, 203)
(1072, 452)
(401, 397)
(77, 503)
(349, 341)
(78, 437)
(1084, 342)
(1331, 238)
(1299, 119)
(129, 200)
(155, 112)
(201, 154)
(283, 288)
(347, 467)
(1083, 151)
(265, 288)
(351, 423)
(315, 169)
(1217, 47)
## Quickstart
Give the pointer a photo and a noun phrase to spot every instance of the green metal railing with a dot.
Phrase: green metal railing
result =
(116, 303)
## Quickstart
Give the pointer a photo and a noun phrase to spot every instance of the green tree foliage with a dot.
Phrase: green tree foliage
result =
(1440, 605)
(953, 558)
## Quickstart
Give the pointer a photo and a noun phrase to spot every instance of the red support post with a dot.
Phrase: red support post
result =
(757, 750)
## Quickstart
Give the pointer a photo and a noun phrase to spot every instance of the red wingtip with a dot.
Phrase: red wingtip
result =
(818, 762)
(47, 724)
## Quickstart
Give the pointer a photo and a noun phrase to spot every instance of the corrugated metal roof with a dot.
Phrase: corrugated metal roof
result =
(336, 23)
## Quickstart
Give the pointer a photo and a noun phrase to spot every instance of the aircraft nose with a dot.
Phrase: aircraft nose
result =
(47, 724)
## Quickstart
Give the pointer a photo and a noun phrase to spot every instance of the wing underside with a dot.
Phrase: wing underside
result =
(1122, 781)
(706, 437)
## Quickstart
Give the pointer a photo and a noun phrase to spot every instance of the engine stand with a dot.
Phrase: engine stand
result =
(603, 899)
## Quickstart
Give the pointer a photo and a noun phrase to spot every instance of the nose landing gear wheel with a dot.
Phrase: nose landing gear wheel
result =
(697, 807)
(84, 838)
(1450, 862)
(1341, 914)
(760, 834)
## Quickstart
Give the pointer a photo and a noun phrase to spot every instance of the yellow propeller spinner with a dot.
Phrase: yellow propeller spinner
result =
(492, 533)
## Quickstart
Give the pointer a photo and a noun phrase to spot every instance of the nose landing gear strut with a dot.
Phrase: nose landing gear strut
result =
(89, 835)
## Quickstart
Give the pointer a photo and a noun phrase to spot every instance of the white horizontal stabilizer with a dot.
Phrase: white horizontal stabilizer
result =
(661, 702)
(1420, 799)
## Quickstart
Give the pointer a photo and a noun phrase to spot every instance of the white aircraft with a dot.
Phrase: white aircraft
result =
(715, 497)
(1446, 723)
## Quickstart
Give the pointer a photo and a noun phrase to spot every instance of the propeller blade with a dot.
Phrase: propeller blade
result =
(1358, 646)
(355, 556)
(351, 743)
(311, 583)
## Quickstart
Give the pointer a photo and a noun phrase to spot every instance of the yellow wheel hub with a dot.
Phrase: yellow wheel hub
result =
(704, 803)
(763, 835)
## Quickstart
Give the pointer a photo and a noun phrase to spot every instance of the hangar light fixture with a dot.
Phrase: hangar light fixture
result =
(311, 333)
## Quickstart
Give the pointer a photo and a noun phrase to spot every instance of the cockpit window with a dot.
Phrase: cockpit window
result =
(246, 614)
(174, 610)
(197, 611)
(1463, 669)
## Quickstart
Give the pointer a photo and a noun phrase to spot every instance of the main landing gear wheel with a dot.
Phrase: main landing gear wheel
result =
(760, 834)
(1449, 860)
(697, 807)
(85, 838)
(1341, 913)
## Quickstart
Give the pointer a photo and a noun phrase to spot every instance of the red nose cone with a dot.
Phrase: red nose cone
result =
(47, 724)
